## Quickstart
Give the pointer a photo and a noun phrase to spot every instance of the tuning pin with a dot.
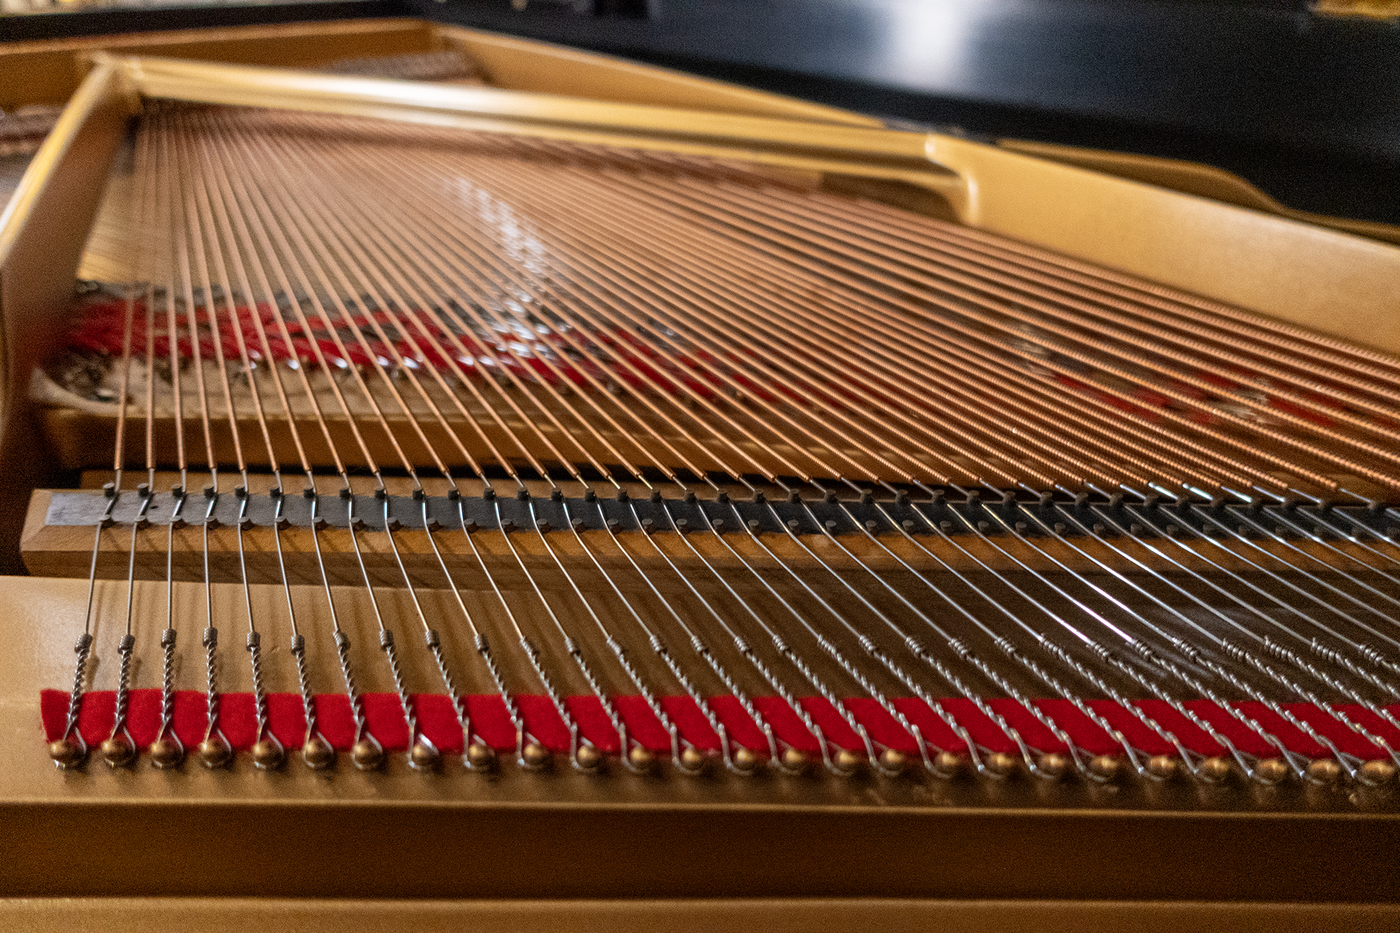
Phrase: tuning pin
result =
(535, 757)
(1001, 764)
(1163, 767)
(66, 753)
(214, 752)
(1324, 771)
(1052, 766)
(118, 751)
(1105, 768)
(267, 754)
(1214, 770)
(744, 760)
(641, 758)
(587, 757)
(317, 753)
(167, 752)
(893, 761)
(367, 754)
(480, 756)
(793, 760)
(424, 756)
(948, 765)
(693, 760)
(1375, 773)
(1270, 771)
(846, 761)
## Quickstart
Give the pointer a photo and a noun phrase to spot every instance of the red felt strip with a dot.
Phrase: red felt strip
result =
(491, 721)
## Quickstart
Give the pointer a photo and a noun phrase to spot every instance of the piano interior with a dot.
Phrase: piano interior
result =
(486, 471)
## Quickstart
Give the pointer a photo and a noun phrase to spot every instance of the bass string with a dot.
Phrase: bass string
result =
(611, 639)
(1083, 287)
(391, 533)
(650, 634)
(903, 315)
(1260, 368)
(1265, 337)
(772, 365)
(316, 752)
(895, 294)
(1202, 367)
(568, 638)
(344, 215)
(403, 406)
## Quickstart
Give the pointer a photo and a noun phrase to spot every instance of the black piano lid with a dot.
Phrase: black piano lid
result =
(1304, 105)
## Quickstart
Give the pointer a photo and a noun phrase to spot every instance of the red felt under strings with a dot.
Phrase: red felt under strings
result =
(490, 721)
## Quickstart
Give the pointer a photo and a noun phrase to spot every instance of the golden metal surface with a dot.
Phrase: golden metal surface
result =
(1281, 268)
(42, 232)
(1206, 181)
(1358, 9)
(255, 915)
(201, 82)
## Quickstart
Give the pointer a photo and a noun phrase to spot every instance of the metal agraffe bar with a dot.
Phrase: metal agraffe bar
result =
(1095, 489)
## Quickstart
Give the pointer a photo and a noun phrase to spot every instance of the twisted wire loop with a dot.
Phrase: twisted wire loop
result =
(357, 711)
(745, 702)
(167, 751)
(636, 757)
(214, 750)
(827, 693)
(517, 721)
(1111, 658)
(1241, 655)
(119, 749)
(308, 700)
(1194, 656)
(1076, 753)
(211, 682)
(625, 662)
(696, 762)
(167, 680)
(70, 749)
(410, 712)
(869, 687)
(532, 652)
(1033, 761)
(841, 761)
(731, 758)
(693, 692)
(83, 649)
(431, 638)
(459, 706)
(1063, 656)
(263, 733)
(727, 751)
(781, 689)
(1013, 653)
(609, 708)
(1010, 650)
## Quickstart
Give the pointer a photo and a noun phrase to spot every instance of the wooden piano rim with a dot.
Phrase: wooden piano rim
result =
(237, 915)
(1358, 868)
(461, 850)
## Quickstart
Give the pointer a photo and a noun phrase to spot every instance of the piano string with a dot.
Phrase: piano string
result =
(910, 437)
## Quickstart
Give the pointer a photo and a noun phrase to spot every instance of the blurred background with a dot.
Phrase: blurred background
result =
(1301, 98)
